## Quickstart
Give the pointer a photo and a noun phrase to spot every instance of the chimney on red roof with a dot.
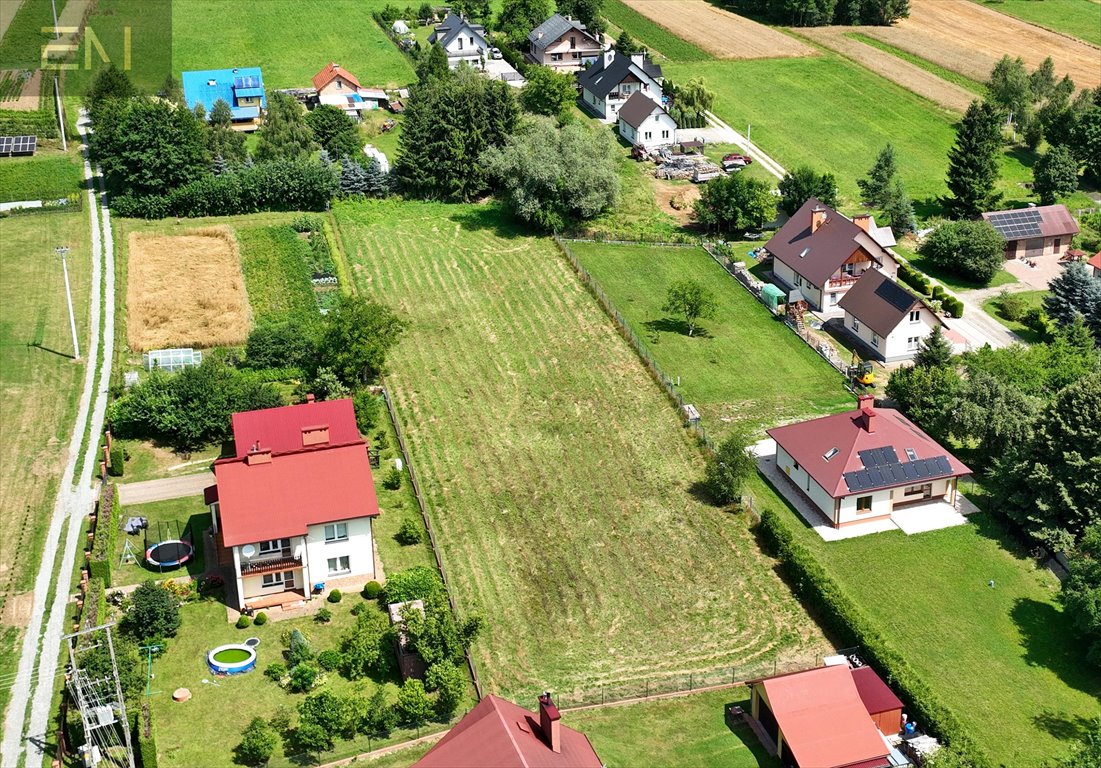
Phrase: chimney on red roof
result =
(817, 218)
(310, 398)
(867, 412)
(550, 722)
(864, 221)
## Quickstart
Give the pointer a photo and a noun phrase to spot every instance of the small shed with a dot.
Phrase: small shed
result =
(400, 27)
(410, 662)
(881, 702)
(172, 360)
(773, 296)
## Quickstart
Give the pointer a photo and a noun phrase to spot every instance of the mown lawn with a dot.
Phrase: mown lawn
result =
(1077, 18)
(47, 177)
(555, 472)
(742, 366)
(993, 307)
(167, 520)
(651, 34)
(951, 281)
(290, 40)
(277, 275)
(783, 101)
(1004, 658)
(677, 733)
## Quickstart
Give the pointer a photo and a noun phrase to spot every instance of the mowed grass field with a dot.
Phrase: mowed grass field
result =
(557, 476)
(289, 39)
(1004, 659)
(40, 385)
(51, 177)
(743, 366)
(1077, 18)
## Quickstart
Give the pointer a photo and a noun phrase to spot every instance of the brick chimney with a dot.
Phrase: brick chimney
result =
(864, 221)
(310, 398)
(867, 412)
(550, 722)
(817, 218)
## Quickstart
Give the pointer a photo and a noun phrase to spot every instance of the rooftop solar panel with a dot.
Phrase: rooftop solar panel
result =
(887, 474)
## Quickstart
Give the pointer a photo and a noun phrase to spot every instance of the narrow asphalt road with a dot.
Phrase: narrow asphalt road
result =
(165, 488)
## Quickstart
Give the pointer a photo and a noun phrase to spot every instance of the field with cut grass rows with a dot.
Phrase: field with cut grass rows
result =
(557, 476)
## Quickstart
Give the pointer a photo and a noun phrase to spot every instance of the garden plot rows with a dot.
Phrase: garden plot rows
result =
(556, 475)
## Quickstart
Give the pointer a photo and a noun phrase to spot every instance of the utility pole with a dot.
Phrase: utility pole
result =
(149, 650)
(63, 251)
(101, 703)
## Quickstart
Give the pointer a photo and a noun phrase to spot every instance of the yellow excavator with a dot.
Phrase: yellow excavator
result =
(861, 372)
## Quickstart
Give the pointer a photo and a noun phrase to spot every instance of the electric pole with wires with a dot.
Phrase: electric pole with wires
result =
(100, 701)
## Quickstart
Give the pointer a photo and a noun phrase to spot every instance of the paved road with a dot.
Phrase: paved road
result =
(730, 136)
(978, 327)
(165, 488)
(74, 501)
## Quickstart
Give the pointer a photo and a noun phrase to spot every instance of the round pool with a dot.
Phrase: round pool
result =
(231, 659)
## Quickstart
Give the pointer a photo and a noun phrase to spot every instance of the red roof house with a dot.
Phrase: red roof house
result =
(334, 72)
(1034, 231)
(862, 465)
(293, 507)
(500, 734)
(884, 707)
(1095, 264)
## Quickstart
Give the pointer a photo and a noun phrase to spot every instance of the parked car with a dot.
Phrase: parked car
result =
(734, 159)
(496, 53)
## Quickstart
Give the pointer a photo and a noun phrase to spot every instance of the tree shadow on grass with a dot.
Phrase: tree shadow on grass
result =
(928, 208)
(680, 327)
(1061, 725)
(491, 217)
(1050, 642)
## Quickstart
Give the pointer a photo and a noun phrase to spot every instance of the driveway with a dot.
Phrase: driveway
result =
(165, 488)
(730, 136)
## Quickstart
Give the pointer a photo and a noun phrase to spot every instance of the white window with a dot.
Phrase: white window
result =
(915, 316)
(556, 57)
(573, 42)
(648, 135)
(284, 579)
(798, 281)
(856, 324)
(913, 343)
(339, 565)
(336, 532)
(339, 83)
(875, 339)
(275, 545)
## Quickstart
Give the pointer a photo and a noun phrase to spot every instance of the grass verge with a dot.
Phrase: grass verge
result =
(48, 177)
(951, 281)
(993, 307)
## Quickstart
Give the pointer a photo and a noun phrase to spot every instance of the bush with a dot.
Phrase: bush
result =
(914, 279)
(261, 619)
(416, 583)
(298, 648)
(729, 467)
(971, 249)
(358, 608)
(147, 737)
(367, 408)
(410, 532)
(335, 596)
(103, 545)
(329, 660)
(277, 670)
(1036, 320)
(952, 306)
(323, 616)
(1012, 305)
(244, 622)
(153, 613)
(258, 743)
(413, 705)
(392, 481)
(303, 677)
(371, 590)
(280, 345)
(118, 460)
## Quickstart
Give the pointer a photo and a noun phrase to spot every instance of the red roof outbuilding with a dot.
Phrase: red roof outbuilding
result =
(330, 73)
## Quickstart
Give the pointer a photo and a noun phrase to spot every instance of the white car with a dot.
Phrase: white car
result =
(496, 53)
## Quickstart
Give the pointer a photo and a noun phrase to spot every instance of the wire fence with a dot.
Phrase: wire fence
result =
(428, 526)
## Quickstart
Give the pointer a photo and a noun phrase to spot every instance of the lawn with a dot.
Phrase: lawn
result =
(290, 40)
(147, 460)
(993, 307)
(167, 520)
(951, 281)
(677, 733)
(41, 385)
(556, 475)
(1002, 658)
(636, 215)
(782, 100)
(651, 34)
(46, 177)
(1077, 18)
(22, 44)
(277, 277)
(724, 369)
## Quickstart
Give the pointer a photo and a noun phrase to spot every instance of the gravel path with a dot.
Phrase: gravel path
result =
(730, 136)
(164, 488)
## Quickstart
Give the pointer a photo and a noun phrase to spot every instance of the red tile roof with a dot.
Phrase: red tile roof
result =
(824, 722)
(875, 693)
(329, 73)
(1095, 260)
(809, 442)
(1055, 221)
(285, 486)
(500, 734)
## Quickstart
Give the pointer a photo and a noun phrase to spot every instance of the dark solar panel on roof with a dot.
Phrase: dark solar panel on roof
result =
(886, 474)
(1017, 224)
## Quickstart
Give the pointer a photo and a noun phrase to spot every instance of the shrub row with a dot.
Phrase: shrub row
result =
(841, 617)
(952, 305)
(99, 567)
(147, 738)
(914, 279)
(279, 185)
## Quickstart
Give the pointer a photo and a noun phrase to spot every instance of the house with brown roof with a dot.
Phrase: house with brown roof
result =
(822, 253)
(829, 717)
(563, 44)
(294, 507)
(865, 465)
(611, 80)
(1034, 232)
(887, 320)
(500, 734)
(338, 87)
(645, 123)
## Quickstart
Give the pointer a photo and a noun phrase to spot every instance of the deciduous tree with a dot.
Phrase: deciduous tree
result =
(927, 394)
(690, 300)
(548, 92)
(973, 250)
(1081, 593)
(1055, 175)
(803, 183)
(334, 131)
(380, 718)
(153, 613)
(413, 706)
(730, 467)
(258, 743)
(363, 647)
(519, 17)
(735, 204)
(449, 682)
(284, 134)
(357, 336)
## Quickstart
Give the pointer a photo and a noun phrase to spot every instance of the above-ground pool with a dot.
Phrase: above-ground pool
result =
(231, 659)
(169, 554)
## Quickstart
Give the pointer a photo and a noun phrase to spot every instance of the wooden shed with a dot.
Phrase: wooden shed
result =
(880, 701)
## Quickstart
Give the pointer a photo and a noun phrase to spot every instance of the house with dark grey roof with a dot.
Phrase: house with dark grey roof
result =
(462, 40)
(611, 79)
(823, 253)
(865, 466)
(645, 123)
(1034, 232)
(563, 44)
(888, 320)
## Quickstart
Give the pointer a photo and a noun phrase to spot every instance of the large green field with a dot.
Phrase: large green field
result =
(744, 366)
(1077, 18)
(556, 474)
(1003, 658)
(22, 42)
(652, 35)
(833, 115)
(49, 177)
(41, 384)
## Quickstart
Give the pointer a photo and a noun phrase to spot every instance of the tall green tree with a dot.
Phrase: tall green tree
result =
(899, 208)
(110, 83)
(433, 64)
(735, 204)
(222, 140)
(1055, 175)
(690, 300)
(973, 250)
(995, 416)
(380, 717)
(1010, 88)
(877, 187)
(413, 705)
(154, 613)
(586, 11)
(519, 17)
(1085, 140)
(448, 680)
(730, 467)
(626, 44)
(973, 163)
(935, 351)
(335, 131)
(1081, 593)
(927, 394)
(548, 92)
(1074, 292)
(357, 336)
(695, 97)
(803, 183)
(284, 134)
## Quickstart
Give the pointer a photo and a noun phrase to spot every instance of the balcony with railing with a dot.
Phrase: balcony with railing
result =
(278, 561)
(842, 279)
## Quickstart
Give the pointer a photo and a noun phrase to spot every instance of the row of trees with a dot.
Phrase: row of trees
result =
(817, 13)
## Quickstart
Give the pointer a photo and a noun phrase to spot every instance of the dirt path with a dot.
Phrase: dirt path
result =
(731, 136)
(909, 76)
(164, 488)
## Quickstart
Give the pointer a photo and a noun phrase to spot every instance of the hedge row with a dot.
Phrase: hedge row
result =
(921, 284)
(279, 185)
(103, 544)
(147, 737)
(850, 626)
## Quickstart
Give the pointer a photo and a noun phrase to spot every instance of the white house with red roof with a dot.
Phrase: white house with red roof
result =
(294, 506)
(865, 465)
(338, 87)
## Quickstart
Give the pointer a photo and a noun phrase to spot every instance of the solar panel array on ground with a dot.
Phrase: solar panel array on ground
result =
(883, 473)
(1017, 224)
(18, 145)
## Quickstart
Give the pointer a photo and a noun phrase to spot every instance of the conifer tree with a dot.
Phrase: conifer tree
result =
(353, 178)
(935, 351)
(877, 187)
(973, 163)
(1073, 292)
(899, 208)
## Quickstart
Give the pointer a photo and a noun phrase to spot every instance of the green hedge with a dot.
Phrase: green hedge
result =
(147, 738)
(952, 305)
(103, 545)
(846, 622)
(913, 278)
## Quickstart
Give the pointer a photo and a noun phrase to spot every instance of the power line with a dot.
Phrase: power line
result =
(101, 704)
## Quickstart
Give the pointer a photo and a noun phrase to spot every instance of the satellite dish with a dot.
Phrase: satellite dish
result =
(248, 550)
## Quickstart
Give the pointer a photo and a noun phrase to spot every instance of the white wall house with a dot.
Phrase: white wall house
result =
(462, 41)
(645, 123)
(888, 320)
(611, 80)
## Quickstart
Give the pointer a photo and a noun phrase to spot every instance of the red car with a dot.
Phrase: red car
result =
(736, 159)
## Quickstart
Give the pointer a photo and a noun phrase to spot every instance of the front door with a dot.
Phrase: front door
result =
(288, 579)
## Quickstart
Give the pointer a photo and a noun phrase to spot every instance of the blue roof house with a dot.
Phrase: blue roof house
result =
(242, 88)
